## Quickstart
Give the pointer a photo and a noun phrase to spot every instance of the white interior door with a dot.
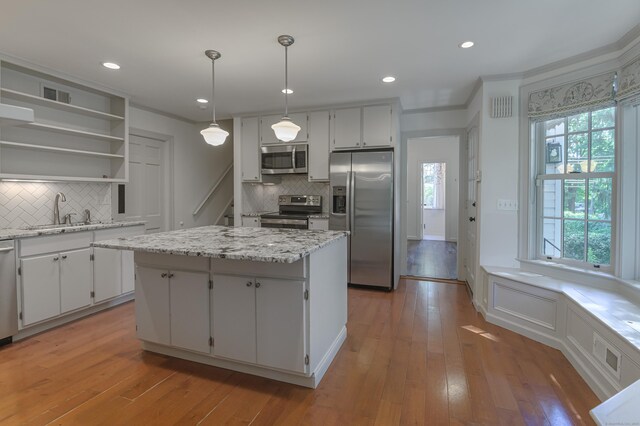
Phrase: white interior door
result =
(470, 258)
(145, 191)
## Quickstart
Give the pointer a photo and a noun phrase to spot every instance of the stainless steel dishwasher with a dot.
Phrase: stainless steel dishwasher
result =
(8, 292)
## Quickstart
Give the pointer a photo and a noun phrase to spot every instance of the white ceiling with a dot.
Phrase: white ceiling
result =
(342, 50)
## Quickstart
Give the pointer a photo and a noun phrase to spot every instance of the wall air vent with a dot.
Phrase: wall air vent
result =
(56, 95)
(607, 355)
(502, 107)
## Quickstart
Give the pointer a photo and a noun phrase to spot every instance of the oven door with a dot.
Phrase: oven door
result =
(284, 223)
(284, 159)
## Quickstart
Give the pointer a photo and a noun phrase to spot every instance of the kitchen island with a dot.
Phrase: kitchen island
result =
(268, 302)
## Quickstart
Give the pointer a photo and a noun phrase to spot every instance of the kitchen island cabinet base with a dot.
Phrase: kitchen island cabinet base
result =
(311, 381)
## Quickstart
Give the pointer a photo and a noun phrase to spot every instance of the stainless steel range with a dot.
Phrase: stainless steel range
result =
(293, 212)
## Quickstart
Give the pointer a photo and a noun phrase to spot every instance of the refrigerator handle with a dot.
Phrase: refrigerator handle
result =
(351, 188)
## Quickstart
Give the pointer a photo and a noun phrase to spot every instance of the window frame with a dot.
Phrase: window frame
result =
(539, 176)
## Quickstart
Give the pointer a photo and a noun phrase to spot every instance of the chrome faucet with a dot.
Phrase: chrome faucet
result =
(56, 210)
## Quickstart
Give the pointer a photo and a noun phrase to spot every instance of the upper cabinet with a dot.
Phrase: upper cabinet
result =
(268, 136)
(250, 148)
(319, 146)
(366, 127)
(79, 134)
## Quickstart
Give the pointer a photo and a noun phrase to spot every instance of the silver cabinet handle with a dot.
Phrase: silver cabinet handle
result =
(55, 259)
(6, 249)
(249, 283)
(257, 285)
(164, 275)
(64, 257)
(170, 275)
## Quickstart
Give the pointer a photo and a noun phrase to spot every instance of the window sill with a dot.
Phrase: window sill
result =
(603, 280)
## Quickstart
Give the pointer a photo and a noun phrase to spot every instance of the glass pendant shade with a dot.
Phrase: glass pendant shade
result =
(286, 130)
(214, 134)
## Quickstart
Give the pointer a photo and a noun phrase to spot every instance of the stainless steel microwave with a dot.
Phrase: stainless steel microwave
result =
(284, 159)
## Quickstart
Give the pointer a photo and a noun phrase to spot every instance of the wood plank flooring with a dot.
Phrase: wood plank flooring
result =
(418, 355)
(432, 259)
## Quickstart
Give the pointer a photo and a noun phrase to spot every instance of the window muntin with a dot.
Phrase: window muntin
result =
(575, 184)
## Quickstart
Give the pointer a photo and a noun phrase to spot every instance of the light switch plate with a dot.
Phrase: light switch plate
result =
(508, 205)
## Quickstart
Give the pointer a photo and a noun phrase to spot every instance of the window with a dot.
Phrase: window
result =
(433, 188)
(576, 177)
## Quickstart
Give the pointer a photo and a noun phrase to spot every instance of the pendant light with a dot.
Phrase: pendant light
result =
(286, 130)
(213, 135)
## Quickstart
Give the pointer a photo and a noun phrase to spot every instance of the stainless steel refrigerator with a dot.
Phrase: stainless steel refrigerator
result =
(362, 202)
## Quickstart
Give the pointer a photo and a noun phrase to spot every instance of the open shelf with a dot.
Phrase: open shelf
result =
(72, 132)
(56, 149)
(20, 96)
(50, 178)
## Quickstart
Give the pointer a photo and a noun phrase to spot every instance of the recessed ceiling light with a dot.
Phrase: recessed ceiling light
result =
(389, 79)
(202, 101)
(287, 91)
(111, 65)
(466, 44)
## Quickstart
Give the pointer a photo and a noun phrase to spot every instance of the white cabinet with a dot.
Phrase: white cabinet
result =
(319, 224)
(280, 324)
(75, 279)
(347, 128)
(80, 132)
(107, 274)
(128, 271)
(55, 284)
(251, 221)
(319, 146)
(260, 321)
(189, 308)
(268, 136)
(376, 126)
(40, 288)
(234, 318)
(172, 308)
(250, 150)
(153, 321)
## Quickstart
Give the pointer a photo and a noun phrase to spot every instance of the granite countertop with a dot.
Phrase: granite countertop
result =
(319, 216)
(311, 216)
(253, 244)
(12, 234)
(254, 214)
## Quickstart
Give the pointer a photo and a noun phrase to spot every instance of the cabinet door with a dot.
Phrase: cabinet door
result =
(40, 288)
(152, 305)
(75, 279)
(280, 310)
(128, 271)
(347, 128)
(107, 274)
(250, 147)
(319, 224)
(189, 305)
(319, 146)
(250, 221)
(234, 318)
(376, 125)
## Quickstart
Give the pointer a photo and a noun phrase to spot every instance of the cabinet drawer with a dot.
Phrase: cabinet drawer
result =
(54, 243)
(111, 233)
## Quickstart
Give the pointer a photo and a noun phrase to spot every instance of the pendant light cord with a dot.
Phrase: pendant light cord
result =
(213, 89)
(286, 83)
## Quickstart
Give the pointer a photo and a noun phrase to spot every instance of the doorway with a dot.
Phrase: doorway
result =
(433, 207)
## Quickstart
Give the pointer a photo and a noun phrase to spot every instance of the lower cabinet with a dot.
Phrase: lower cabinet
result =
(259, 320)
(107, 274)
(172, 308)
(55, 284)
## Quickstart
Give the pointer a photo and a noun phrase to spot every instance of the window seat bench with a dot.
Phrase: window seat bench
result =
(598, 330)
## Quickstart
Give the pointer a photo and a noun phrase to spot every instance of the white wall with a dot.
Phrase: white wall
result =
(196, 166)
(433, 150)
(498, 163)
(422, 120)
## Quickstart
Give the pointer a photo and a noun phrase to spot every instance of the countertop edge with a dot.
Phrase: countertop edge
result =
(14, 234)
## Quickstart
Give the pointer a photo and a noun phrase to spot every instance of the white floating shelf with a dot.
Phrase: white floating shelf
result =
(50, 178)
(20, 96)
(72, 132)
(61, 150)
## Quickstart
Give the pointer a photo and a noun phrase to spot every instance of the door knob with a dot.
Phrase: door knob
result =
(472, 219)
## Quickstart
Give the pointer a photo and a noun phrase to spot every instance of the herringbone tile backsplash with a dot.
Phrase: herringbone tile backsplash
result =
(25, 203)
(261, 198)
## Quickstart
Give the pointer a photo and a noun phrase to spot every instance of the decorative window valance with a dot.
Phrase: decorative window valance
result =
(629, 81)
(572, 98)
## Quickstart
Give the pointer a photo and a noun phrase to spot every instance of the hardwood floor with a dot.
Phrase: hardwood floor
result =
(419, 355)
(432, 259)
